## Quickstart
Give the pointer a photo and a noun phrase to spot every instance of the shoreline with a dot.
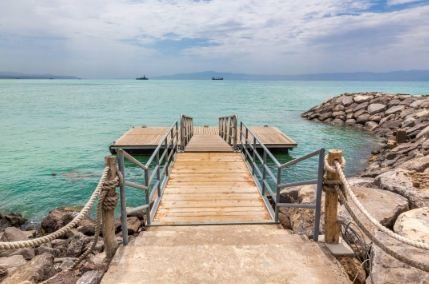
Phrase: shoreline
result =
(393, 187)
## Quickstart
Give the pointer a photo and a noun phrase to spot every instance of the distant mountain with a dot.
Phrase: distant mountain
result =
(409, 75)
(14, 75)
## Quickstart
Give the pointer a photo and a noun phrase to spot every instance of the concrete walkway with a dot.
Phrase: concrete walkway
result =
(222, 254)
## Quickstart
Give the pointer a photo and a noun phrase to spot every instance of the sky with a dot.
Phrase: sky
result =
(128, 38)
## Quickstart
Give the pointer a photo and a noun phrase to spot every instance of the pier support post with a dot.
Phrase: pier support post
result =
(108, 217)
(332, 226)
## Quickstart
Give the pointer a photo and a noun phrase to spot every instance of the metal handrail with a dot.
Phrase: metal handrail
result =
(249, 147)
(163, 155)
(186, 130)
(228, 129)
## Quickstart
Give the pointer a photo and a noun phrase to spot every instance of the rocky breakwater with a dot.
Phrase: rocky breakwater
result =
(51, 263)
(394, 187)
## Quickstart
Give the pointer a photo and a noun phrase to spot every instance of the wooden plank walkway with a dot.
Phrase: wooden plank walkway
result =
(211, 188)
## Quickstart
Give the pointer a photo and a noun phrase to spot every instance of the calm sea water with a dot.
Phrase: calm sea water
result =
(65, 127)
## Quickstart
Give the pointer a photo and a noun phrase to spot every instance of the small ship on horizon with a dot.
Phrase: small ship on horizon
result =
(142, 78)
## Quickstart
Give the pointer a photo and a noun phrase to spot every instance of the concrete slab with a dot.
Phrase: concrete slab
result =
(222, 254)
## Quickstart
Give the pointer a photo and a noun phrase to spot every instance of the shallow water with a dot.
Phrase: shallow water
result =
(55, 133)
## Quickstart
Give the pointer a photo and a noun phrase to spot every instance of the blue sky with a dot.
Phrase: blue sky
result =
(126, 38)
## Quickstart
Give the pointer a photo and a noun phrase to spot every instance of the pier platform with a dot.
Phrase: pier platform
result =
(146, 139)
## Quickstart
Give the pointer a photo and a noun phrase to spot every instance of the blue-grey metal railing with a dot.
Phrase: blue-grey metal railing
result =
(155, 172)
(267, 171)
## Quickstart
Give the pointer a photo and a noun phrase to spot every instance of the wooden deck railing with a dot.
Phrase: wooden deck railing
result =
(186, 130)
(228, 129)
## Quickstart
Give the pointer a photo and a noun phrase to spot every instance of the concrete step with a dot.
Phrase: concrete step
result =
(222, 254)
(216, 235)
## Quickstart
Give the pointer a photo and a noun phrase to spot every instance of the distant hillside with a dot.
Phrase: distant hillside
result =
(14, 75)
(411, 75)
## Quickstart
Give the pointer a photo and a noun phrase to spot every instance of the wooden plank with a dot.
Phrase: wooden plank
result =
(200, 190)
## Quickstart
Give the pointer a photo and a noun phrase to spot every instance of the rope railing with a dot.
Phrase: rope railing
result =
(343, 188)
(102, 185)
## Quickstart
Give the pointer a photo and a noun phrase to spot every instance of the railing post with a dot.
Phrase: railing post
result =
(124, 225)
(254, 155)
(319, 189)
(146, 182)
(108, 217)
(332, 226)
(277, 200)
(158, 174)
(241, 132)
(264, 172)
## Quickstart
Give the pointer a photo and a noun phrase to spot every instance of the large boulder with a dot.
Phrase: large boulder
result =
(12, 234)
(383, 205)
(300, 221)
(56, 219)
(388, 270)
(414, 224)
(11, 263)
(38, 269)
(11, 220)
(395, 109)
(376, 108)
(361, 98)
(400, 181)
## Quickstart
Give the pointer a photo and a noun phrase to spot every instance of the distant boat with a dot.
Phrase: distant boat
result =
(142, 78)
(217, 78)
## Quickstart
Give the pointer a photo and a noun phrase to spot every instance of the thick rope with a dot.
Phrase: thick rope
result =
(394, 254)
(102, 184)
(346, 186)
(97, 231)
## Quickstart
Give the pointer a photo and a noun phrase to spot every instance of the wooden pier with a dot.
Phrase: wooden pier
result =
(212, 208)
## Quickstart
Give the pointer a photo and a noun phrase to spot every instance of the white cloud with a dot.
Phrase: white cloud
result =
(117, 38)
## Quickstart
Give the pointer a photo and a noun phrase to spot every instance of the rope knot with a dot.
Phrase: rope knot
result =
(109, 202)
(333, 169)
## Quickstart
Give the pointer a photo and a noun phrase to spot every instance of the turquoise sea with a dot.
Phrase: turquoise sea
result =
(55, 133)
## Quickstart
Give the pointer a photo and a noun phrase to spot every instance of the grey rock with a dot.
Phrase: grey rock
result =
(423, 133)
(347, 100)
(416, 103)
(395, 109)
(12, 234)
(361, 98)
(350, 121)
(400, 181)
(90, 277)
(376, 108)
(383, 205)
(360, 106)
(12, 261)
(362, 118)
(414, 224)
(371, 125)
(38, 269)
(337, 122)
(386, 269)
